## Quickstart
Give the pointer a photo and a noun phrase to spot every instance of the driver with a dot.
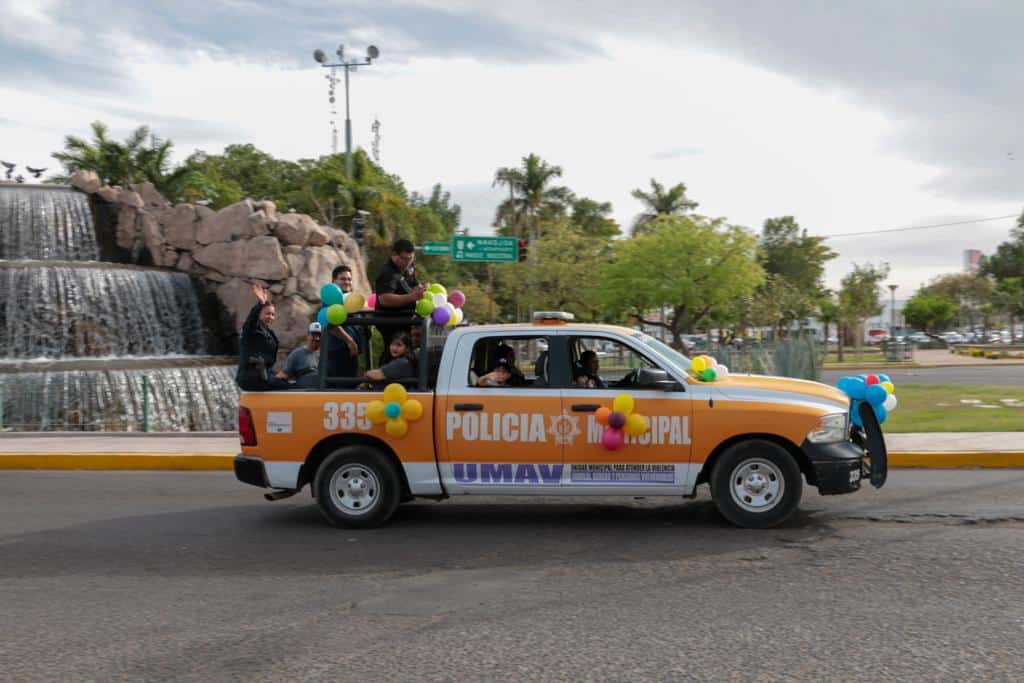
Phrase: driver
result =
(586, 372)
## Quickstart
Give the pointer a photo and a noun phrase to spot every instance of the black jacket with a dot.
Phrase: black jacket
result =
(257, 351)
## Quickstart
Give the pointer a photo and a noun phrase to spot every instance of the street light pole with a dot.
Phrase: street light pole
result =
(892, 308)
(348, 65)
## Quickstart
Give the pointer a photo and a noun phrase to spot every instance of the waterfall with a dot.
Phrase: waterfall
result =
(46, 223)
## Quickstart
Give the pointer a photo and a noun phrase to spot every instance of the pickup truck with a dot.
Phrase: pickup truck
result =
(754, 440)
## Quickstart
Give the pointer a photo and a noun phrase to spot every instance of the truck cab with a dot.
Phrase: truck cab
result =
(754, 440)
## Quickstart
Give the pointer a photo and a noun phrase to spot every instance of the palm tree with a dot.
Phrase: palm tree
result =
(531, 197)
(659, 202)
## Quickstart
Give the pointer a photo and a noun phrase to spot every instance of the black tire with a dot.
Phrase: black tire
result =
(756, 484)
(367, 487)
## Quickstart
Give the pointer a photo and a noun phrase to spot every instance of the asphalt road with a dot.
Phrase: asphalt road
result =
(987, 374)
(192, 576)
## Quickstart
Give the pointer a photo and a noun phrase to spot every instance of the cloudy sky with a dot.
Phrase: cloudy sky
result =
(851, 116)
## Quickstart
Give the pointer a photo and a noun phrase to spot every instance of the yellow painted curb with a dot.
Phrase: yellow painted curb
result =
(117, 461)
(953, 459)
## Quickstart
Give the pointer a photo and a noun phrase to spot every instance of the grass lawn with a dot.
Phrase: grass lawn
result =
(850, 355)
(939, 408)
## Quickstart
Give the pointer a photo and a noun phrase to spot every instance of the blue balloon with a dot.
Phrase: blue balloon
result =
(855, 414)
(392, 410)
(331, 294)
(883, 378)
(875, 394)
(321, 317)
(857, 389)
(881, 413)
(844, 384)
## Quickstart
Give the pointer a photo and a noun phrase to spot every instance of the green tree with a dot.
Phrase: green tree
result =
(1008, 260)
(693, 265)
(661, 202)
(785, 249)
(593, 218)
(859, 299)
(828, 313)
(532, 197)
(928, 311)
(1009, 298)
(778, 303)
(970, 291)
(440, 202)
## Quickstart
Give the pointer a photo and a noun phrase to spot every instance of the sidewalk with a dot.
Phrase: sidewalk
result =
(925, 358)
(216, 450)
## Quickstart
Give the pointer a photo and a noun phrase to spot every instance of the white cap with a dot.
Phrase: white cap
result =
(315, 328)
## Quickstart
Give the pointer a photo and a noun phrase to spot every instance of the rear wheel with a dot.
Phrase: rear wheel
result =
(357, 487)
(756, 484)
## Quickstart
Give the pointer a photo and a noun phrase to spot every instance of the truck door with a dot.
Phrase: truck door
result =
(504, 438)
(657, 462)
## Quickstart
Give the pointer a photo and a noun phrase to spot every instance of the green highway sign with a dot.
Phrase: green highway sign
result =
(485, 249)
(437, 248)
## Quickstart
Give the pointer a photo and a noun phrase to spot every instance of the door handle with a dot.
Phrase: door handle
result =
(584, 407)
(469, 406)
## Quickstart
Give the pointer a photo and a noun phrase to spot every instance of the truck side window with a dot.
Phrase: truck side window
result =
(599, 363)
(519, 362)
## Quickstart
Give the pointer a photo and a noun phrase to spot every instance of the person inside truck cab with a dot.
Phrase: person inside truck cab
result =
(500, 376)
(517, 379)
(585, 374)
(401, 366)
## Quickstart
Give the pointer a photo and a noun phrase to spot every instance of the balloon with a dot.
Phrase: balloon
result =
(881, 413)
(393, 410)
(612, 439)
(412, 410)
(395, 393)
(331, 294)
(456, 298)
(336, 314)
(440, 315)
(453, 320)
(875, 394)
(424, 307)
(856, 389)
(623, 403)
(871, 379)
(459, 316)
(437, 288)
(709, 375)
(714, 363)
(354, 302)
(602, 415)
(855, 413)
(397, 428)
(636, 424)
(321, 317)
(888, 386)
(890, 403)
(883, 378)
(722, 370)
(617, 420)
(375, 412)
(438, 299)
(371, 303)
(698, 364)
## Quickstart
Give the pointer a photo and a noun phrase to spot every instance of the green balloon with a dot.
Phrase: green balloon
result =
(424, 307)
(437, 288)
(709, 374)
(336, 314)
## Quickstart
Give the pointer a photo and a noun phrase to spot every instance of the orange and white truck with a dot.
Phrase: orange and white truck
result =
(754, 440)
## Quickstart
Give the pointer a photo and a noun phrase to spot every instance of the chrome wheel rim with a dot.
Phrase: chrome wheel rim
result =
(355, 489)
(757, 485)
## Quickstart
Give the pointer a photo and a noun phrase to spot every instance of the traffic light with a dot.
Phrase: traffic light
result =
(358, 229)
(523, 247)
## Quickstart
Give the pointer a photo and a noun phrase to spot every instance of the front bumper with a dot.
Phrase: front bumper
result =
(251, 471)
(838, 467)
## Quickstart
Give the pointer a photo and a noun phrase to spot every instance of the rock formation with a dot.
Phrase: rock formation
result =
(226, 249)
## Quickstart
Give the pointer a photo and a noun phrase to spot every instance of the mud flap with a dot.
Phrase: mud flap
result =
(875, 443)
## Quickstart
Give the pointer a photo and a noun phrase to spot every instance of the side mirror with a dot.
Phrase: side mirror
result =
(655, 378)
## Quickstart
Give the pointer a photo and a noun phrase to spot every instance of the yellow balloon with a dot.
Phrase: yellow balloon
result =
(636, 424)
(623, 403)
(354, 302)
(698, 364)
(889, 386)
(395, 393)
(397, 428)
(412, 410)
(375, 412)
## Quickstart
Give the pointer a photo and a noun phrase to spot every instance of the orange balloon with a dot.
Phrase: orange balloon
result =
(602, 414)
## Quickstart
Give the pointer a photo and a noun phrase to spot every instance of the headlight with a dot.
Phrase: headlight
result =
(829, 428)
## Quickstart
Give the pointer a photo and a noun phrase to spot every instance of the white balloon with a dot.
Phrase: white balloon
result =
(458, 316)
(722, 371)
(890, 403)
(450, 307)
(439, 300)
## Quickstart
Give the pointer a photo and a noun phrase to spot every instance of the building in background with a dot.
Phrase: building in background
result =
(972, 260)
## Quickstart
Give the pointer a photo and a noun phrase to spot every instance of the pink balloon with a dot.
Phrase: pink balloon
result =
(371, 302)
(612, 439)
(441, 315)
(456, 298)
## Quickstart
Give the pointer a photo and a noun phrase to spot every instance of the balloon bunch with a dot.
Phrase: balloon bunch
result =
(397, 410)
(707, 369)
(443, 307)
(876, 390)
(337, 305)
(620, 419)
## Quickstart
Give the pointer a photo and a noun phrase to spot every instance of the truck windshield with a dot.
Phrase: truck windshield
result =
(665, 351)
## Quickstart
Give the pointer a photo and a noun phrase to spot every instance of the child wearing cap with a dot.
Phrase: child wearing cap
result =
(499, 376)
(302, 363)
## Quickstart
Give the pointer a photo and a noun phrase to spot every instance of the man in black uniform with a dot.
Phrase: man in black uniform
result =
(397, 290)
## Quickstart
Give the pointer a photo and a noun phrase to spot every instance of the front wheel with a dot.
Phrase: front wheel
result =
(756, 484)
(357, 487)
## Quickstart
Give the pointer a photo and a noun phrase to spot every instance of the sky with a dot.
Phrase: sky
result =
(850, 116)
